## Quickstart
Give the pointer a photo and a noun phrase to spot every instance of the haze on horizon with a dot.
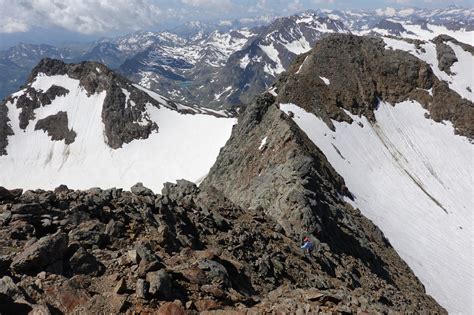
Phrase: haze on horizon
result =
(54, 21)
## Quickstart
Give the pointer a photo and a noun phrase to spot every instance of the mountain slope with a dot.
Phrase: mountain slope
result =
(270, 165)
(402, 140)
(84, 125)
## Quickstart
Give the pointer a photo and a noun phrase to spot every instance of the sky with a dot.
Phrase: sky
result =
(57, 20)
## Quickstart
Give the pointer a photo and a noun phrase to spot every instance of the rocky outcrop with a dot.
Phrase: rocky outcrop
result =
(5, 129)
(188, 250)
(362, 72)
(394, 28)
(445, 55)
(57, 127)
(443, 38)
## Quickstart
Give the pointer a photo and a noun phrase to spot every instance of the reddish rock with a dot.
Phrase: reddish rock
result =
(67, 297)
(170, 308)
(206, 305)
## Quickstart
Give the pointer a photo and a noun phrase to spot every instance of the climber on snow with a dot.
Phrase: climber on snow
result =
(308, 246)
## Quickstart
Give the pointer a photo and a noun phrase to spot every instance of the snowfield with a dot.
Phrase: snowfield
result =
(186, 146)
(413, 178)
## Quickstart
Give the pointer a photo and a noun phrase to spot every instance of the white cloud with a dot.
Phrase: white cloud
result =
(294, 6)
(324, 1)
(85, 16)
(10, 25)
(386, 12)
(401, 1)
(208, 3)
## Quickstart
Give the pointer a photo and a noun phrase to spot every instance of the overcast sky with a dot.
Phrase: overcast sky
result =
(24, 20)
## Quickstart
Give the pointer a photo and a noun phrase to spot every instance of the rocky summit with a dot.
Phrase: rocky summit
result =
(189, 250)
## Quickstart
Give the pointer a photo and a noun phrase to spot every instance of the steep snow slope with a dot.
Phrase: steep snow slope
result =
(184, 147)
(413, 177)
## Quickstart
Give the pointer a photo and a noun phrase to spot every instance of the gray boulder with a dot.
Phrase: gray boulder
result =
(83, 262)
(9, 288)
(5, 194)
(140, 190)
(45, 252)
(160, 283)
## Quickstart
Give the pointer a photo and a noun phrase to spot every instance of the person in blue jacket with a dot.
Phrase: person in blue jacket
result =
(308, 246)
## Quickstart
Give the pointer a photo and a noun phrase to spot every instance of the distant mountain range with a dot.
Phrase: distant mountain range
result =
(225, 64)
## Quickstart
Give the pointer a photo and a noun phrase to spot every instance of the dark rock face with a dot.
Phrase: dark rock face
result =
(5, 129)
(195, 247)
(121, 122)
(160, 283)
(393, 27)
(446, 56)
(362, 72)
(446, 38)
(57, 127)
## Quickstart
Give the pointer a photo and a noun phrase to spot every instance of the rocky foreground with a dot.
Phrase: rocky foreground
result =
(185, 251)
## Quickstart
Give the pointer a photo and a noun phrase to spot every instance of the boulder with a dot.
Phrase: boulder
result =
(9, 288)
(121, 286)
(145, 252)
(82, 262)
(67, 296)
(206, 305)
(47, 251)
(215, 271)
(140, 190)
(142, 289)
(20, 230)
(170, 308)
(5, 194)
(160, 283)
(5, 262)
(89, 234)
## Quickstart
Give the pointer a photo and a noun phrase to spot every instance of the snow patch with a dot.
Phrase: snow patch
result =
(273, 92)
(326, 80)
(272, 53)
(262, 144)
(299, 46)
(245, 61)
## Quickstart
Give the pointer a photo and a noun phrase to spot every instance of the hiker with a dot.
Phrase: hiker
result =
(307, 246)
